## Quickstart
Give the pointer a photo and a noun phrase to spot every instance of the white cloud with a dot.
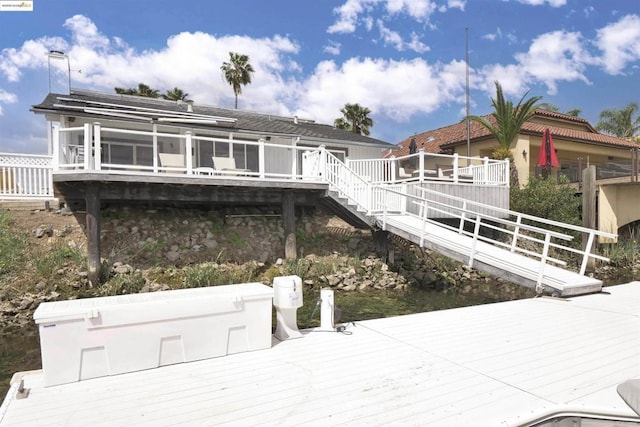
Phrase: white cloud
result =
(6, 98)
(389, 37)
(493, 36)
(32, 54)
(355, 12)
(386, 87)
(332, 48)
(552, 3)
(348, 15)
(420, 10)
(620, 43)
(393, 38)
(457, 4)
(556, 56)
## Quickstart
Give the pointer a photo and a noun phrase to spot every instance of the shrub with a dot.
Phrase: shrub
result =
(546, 198)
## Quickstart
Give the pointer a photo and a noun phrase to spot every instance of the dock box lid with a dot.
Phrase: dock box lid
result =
(152, 306)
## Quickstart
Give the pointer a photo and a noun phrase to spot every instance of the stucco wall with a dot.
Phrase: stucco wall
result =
(618, 206)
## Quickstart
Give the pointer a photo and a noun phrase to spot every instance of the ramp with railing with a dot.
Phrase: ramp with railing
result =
(527, 250)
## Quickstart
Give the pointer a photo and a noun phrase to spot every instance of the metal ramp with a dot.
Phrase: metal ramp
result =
(523, 249)
(491, 259)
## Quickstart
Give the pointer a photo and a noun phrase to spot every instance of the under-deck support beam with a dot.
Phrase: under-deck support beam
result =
(92, 220)
(289, 224)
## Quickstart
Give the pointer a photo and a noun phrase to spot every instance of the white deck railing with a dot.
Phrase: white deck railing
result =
(24, 176)
(433, 167)
(527, 234)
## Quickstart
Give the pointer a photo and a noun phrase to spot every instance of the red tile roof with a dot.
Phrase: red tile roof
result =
(438, 140)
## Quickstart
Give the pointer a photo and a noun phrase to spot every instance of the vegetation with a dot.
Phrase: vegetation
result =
(575, 112)
(175, 94)
(142, 90)
(546, 198)
(508, 118)
(624, 123)
(237, 72)
(355, 118)
(12, 245)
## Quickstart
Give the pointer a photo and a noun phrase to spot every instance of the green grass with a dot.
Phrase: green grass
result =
(12, 246)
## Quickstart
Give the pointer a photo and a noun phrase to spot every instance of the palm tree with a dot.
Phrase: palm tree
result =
(620, 123)
(508, 122)
(508, 119)
(142, 90)
(355, 119)
(237, 72)
(176, 94)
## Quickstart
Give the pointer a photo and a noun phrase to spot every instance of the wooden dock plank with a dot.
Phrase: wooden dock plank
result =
(495, 364)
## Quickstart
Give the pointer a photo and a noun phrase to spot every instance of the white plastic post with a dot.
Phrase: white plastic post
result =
(327, 308)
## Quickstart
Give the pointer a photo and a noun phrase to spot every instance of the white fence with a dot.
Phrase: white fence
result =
(24, 176)
(433, 167)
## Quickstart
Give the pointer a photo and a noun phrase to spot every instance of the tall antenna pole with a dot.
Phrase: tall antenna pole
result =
(466, 60)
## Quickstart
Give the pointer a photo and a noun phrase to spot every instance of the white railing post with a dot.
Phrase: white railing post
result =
(455, 167)
(485, 170)
(97, 143)
(516, 232)
(507, 174)
(88, 146)
(188, 152)
(394, 167)
(55, 141)
(155, 147)
(463, 217)
(424, 215)
(476, 232)
(294, 161)
(261, 161)
(421, 164)
(587, 253)
(543, 261)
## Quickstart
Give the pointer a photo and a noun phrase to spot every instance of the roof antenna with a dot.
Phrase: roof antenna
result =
(466, 60)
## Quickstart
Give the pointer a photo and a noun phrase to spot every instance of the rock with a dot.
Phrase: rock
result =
(173, 256)
(44, 230)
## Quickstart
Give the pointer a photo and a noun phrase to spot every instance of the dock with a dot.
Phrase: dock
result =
(519, 363)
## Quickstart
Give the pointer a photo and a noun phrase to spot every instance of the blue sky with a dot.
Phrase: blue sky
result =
(403, 59)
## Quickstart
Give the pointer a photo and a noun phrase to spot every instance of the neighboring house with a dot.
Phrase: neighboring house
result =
(577, 145)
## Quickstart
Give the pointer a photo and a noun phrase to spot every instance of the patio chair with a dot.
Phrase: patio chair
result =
(227, 165)
(402, 174)
(170, 162)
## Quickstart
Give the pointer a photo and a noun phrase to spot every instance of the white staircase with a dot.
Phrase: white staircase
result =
(521, 248)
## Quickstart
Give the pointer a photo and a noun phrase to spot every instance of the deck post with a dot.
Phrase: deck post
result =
(589, 207)
(289, 224)
(97, 144)
(381, 242)
(92, 200)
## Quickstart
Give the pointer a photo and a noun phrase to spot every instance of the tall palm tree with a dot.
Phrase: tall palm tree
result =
(355, 119)
(508, 118)
(620, 123)
(142, 90)
(237, 72)
(176, 94)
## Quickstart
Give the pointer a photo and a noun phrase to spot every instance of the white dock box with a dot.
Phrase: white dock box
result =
(95, 337)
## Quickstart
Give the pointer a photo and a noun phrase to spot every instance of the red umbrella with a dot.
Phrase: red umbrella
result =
(547, 157)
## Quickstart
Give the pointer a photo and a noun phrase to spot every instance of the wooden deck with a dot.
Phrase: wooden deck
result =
(507, 364)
